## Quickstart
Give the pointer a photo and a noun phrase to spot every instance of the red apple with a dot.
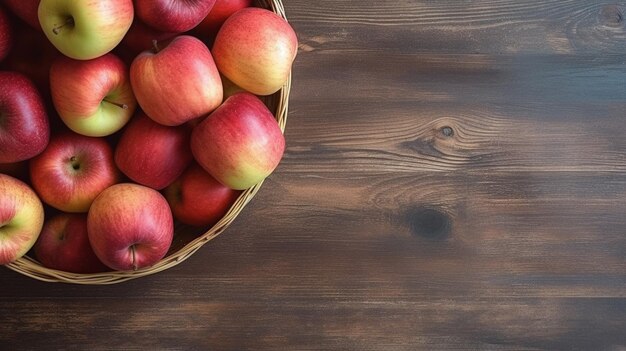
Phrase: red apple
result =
(140, 36)
(32, 55)
(6, 36)
(130, 226)
(172, 15)
(64, 245)
(25, 10)
(255, 48)
(220, 12)
(197, 199)
(21, 218)
(177, 83)
(152, 154)
(72, 171)
(93, 97)
(240, 143)
(24, 126)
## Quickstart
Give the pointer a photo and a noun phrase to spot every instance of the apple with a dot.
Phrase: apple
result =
(197, 199)
(24, 126)
(177, 83)
(173, 15)
(230, 88)
(140, 36)
(152, 154)
(32, 55)
(240, 143)
(85, 29)
(6, 35)
(21, 218)
(64, 245)
(220, 12)
(255, 49)
(92, 97)
(72, 171)
(130, 226)
(26, 10)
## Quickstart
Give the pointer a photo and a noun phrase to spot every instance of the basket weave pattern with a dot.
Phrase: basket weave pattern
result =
(187, 240)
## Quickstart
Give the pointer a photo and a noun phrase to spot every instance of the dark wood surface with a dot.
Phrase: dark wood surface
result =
(455, 179)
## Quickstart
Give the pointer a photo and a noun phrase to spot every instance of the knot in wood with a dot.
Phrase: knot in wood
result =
(611, 16)
(447, 131)
(430, 223)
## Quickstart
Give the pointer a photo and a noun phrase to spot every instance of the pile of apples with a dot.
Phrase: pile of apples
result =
(120, 117)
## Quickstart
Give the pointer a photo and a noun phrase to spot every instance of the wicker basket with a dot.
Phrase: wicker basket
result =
(187, 240)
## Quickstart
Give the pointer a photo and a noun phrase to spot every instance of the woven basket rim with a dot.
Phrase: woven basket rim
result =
(33, 269)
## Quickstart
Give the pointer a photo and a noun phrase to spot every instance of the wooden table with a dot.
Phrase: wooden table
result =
(455, 178)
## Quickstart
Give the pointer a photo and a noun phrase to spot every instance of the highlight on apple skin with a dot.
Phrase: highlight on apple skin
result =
(172, 15)
(130, 226)
(240, 143)
(92, 97)
(24, 125)
(21, 218)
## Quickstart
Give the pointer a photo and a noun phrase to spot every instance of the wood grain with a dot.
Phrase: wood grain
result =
(455, 179)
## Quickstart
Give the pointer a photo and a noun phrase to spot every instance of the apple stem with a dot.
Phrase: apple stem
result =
(75, 165)
(155, 46)
(69, 22)
(132, 249)
(122, 106)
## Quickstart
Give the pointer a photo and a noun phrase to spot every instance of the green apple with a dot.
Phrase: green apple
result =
(85, 29)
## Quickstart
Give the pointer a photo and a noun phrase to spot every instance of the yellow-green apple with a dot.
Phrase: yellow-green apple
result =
(72, 171)
(64, 245)
(92, 97)
(230, 88)
(26, 10)
(172, 15)
(240, 143)
(220, 12)
(6, 35)
(177, 83)
(85, 29)
(21, 218)
(152, 154)
(255, 48)
(197, 199)
(24, 126)
(130, 226)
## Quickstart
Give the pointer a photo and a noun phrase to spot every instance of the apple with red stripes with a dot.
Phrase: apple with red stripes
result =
(21, 218)
(121, 119)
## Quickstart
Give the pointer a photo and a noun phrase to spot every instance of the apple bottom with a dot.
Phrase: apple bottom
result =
(130, 226)
(126, 247)
(135, 256)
